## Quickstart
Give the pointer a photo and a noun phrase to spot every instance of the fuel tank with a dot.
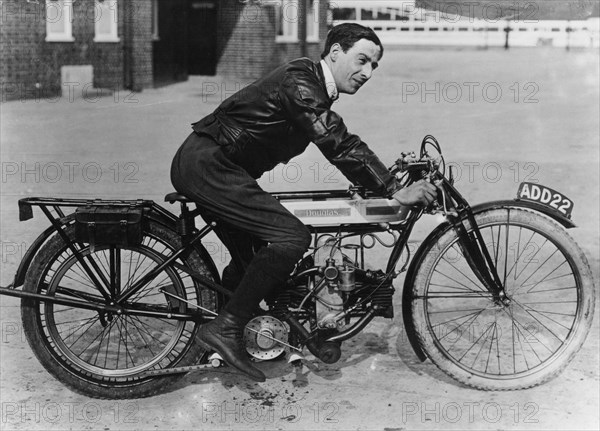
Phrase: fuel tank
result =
(335, 211)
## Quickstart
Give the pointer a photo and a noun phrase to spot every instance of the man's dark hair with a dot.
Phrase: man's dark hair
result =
(347, 35)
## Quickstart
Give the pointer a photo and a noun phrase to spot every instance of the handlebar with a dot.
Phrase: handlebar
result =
(424, 166)
(430, 167)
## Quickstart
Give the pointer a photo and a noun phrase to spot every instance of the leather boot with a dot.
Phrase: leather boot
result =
(225, 336)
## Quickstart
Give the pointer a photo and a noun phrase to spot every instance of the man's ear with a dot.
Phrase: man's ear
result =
(335, 50)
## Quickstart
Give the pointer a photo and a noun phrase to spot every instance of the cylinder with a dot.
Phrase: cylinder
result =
(347, 280)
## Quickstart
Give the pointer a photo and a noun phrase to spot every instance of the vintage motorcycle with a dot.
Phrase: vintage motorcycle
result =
(498, 296)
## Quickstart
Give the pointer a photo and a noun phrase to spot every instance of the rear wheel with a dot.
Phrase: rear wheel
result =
(518, 344)
(102, 354)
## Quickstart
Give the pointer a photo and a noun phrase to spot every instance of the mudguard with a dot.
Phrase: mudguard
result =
(33, 250)
(436, 233)
(518, 203)
(165, 219)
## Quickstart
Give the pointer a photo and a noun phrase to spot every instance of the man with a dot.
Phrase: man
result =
(267, 123)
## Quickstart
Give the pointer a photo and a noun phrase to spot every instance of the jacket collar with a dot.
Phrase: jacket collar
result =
(329, 81)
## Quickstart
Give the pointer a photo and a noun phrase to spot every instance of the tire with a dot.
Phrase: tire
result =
(492, 346)
(102, 355)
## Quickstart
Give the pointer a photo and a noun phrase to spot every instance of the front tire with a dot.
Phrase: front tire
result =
(494, 346)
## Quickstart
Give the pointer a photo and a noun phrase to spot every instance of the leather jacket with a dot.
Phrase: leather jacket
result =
(276, 117)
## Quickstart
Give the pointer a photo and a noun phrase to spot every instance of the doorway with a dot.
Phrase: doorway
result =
(202, 37)
(169, 53)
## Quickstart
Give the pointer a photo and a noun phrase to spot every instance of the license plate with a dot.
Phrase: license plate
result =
(545, 195)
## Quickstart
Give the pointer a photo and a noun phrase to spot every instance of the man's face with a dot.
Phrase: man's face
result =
(351, 69)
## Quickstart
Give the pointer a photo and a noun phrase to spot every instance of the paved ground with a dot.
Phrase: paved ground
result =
(502, 118)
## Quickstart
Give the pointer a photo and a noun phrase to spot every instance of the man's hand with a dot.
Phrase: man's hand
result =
(420, 193)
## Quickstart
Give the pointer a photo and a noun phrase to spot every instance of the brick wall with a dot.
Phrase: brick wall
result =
(30, 66)
(23, 71)
(288, 51)
(246, 39)
(137, 20)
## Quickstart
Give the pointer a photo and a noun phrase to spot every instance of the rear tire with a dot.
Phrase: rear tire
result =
(503, 347)
(102, 355)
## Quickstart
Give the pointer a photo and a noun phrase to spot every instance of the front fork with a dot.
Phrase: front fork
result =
(477, 256)
(471, 242)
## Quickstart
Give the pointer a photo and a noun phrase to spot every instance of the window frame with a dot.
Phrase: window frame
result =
(113, 35)
(314, 37)
(66, 12)
(290, 28)
(155, 30)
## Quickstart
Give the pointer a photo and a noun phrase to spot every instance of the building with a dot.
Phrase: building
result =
(51, 46)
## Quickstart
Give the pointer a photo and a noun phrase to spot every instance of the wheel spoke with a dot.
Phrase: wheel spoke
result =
(463, 274)
(532, 259)
(519, 254)
(505, 252)
(544, 279)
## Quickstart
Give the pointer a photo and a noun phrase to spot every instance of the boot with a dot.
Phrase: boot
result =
(231, 279)
(225, 336)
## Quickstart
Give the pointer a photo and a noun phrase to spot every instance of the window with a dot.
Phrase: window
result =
(286, 20)
(59, 17)
(384, 14)
(368, 13)
(344, 13)
(105, 21)
(312, 21)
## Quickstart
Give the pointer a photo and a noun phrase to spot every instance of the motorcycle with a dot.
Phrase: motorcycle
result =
(498, 295)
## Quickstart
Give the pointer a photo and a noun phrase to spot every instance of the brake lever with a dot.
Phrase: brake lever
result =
(443, 208)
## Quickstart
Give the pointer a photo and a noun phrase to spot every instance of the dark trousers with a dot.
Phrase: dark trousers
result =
(253, 225)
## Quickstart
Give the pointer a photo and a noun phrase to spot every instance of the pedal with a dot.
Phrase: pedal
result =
(215, 360)
(295, 358)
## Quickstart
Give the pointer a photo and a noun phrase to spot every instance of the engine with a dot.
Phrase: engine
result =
(333, 287)
(331, 299)
(331, 295)
(344, 289)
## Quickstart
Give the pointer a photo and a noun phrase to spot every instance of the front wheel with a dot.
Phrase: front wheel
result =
(518, 344)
